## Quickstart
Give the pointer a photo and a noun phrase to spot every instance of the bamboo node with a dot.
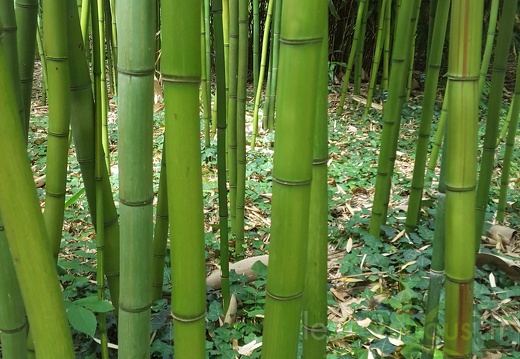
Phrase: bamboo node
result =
(188, 319)
(292, 183)
(285, 298)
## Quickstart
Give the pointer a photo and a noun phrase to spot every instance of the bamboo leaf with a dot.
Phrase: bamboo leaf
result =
(81, 319)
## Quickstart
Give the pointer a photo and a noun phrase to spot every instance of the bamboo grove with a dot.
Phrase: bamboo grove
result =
(202, 53)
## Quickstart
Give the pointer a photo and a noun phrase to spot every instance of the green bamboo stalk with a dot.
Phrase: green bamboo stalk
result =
(160, 235)
(181, 76)
(225, 34)
(314, 317)
(358, 67)
(300, 49)
(412, 54)
(428, 106)
(100, 79)
(436, 273)
(41, 55)
(261, 75)
(231, 129)
(461, 173)
(392, 115)
(432, 11)
(26, 12)
(490, 38)
(8, 19)
(243, 30)
(377, 55)
(205, 94)
(113, 41)
(85, 18)
(510, 142)
(220, 106)
(268, 88)
(13, 322)
(505, 33)
(34, 264)
(256, 43)
(505, 126)
(56, 53)
(82, 125)
(207, 62)
(100, 215)
(136, 28)
(273, 65)
(352, 55)
(386, 46)
(439, 134)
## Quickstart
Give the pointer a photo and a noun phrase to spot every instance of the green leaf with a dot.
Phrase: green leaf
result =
(81, 319)
(94, 304)
(384, 346)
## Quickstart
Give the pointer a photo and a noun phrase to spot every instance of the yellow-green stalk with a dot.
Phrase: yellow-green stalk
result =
(300, 48)
(181, 77)
(461, 175)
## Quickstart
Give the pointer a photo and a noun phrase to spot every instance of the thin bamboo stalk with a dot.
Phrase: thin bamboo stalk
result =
(352, 55)
(392, 115)
(82, 126)
(428, 106)
(510, 142)
(26, 12)
(505, 33)
(243, 29)
(358, 67)
(273, 65)
(261, 75)
(220, 106)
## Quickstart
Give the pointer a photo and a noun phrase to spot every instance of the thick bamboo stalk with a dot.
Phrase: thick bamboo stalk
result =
(56, 52)
(181, 77)
(314, 311)
(461, 167)
(30, 250)
(136, 29)
(505, 33)
(300, 46)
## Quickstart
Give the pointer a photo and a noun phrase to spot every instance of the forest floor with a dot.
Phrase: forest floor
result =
(376, 288)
